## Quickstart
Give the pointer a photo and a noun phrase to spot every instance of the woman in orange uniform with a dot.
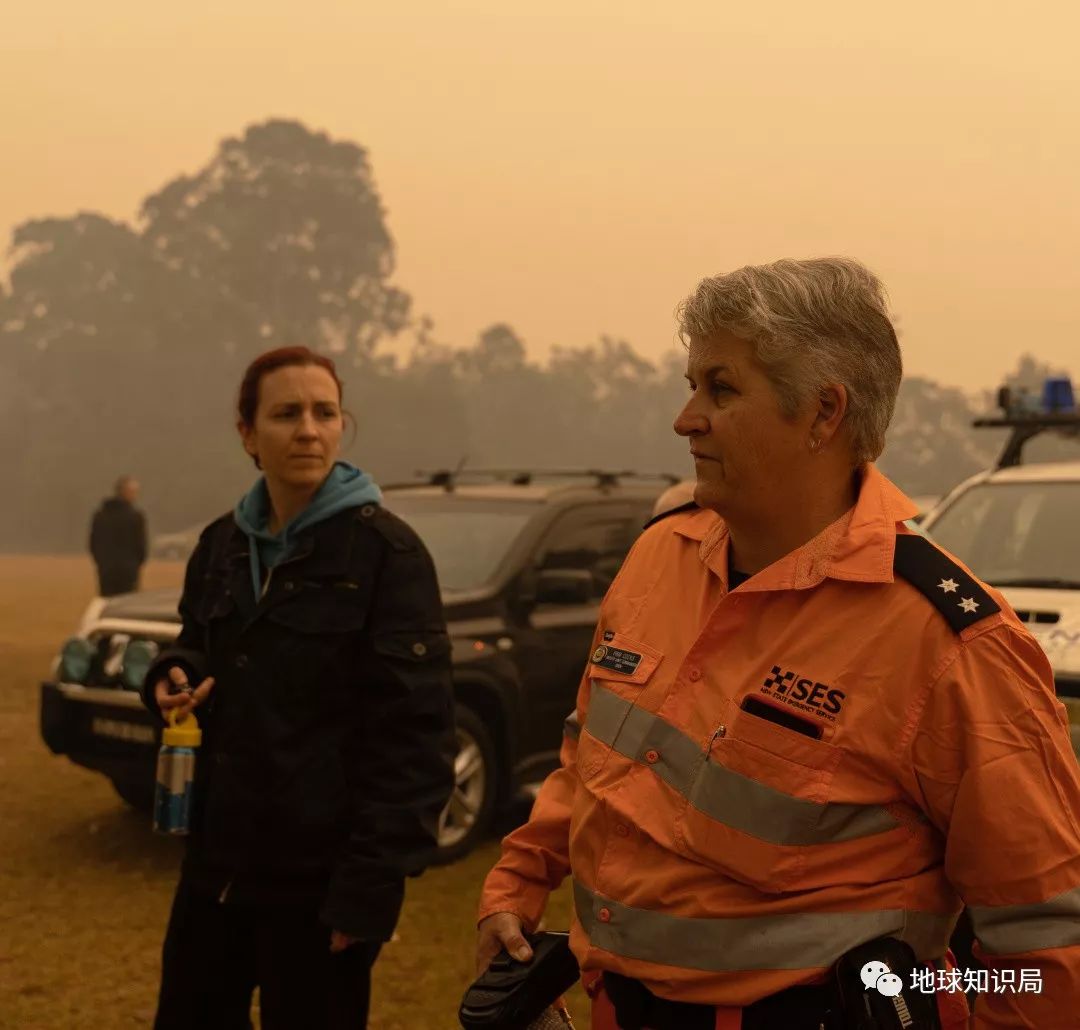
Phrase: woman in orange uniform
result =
(803, 727)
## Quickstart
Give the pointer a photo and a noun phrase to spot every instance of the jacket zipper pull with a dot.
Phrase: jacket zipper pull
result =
(224, 893)
(266, 585)
(719, 733)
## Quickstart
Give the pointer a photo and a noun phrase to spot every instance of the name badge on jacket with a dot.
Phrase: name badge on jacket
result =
(616, 659)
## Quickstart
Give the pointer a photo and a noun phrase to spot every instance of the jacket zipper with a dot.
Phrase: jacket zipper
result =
(718, 733)
(270, 571)
(700, 763)
(266, 585)
(225, 893)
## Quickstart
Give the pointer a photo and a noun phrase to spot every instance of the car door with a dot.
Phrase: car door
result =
(555, 636)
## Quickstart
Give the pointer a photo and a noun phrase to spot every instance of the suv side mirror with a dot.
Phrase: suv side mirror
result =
(564, 586)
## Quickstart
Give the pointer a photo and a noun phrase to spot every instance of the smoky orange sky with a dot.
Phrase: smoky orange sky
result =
(573, 168)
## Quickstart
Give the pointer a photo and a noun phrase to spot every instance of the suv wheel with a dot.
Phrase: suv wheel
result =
(468, 815)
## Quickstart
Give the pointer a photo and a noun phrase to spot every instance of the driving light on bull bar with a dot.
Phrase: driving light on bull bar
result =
(139, 655)
(75, 658)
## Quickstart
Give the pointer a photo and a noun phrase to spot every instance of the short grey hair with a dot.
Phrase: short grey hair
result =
(811, 323)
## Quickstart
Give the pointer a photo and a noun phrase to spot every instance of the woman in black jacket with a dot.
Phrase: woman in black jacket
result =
(315, 650)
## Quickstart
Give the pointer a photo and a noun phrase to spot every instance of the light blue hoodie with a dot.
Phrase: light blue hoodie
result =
(345, 487)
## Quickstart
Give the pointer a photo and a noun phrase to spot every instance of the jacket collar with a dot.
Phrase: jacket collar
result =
(324, 547)
(857, 547)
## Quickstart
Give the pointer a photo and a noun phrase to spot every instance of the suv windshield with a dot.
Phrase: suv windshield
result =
(467, 538)
(1016, 534)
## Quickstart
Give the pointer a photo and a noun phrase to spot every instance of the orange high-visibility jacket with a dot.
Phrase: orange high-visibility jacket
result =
(720, 856)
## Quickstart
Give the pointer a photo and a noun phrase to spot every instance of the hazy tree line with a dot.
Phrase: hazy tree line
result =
(121, 347)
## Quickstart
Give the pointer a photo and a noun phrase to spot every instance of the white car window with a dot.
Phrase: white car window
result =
(1015, 534)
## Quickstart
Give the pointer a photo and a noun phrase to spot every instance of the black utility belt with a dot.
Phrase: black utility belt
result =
(850, 1000)
(797, 1008)
(870, 988)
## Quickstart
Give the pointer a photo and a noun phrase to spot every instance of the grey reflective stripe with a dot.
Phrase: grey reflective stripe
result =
(607, 711)
(796, 940)
(1015, 929)
(572, 726)
(726, 796)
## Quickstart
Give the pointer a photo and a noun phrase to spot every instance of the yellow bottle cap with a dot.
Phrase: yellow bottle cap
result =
(185, 733)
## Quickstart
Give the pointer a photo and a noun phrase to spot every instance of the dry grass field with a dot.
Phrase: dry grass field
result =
(85, 885)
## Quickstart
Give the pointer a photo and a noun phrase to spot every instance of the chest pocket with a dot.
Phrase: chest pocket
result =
(216, 605)
(314, 608)
(313, 635)
(413, 661)
(758, 801)
(215, 598)
(619, 671)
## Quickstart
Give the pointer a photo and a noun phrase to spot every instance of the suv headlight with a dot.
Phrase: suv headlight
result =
(75, 658)
(139, 655)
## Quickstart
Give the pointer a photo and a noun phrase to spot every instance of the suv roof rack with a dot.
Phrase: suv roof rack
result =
(449, 478)
(1026, 427)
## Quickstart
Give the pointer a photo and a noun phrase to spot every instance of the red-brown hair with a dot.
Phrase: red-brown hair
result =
(247, 402)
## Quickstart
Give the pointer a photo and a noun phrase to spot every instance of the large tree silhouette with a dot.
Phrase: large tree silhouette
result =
(121, 348)
(286, 227)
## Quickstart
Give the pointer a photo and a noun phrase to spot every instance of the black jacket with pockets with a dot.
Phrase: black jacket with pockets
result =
(328, 741)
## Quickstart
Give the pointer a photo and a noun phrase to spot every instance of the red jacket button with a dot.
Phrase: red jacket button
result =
(652, 756)
(604, 915)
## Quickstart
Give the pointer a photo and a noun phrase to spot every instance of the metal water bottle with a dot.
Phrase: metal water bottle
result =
(175, 774)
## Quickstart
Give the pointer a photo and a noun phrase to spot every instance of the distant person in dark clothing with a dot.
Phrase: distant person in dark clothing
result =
(118, 540)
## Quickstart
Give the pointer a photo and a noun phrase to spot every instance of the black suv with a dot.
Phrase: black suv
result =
(523, 560)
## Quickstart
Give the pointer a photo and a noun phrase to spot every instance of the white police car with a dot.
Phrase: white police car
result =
(1018, 528)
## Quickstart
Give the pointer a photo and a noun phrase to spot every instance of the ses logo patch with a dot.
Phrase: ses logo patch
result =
(804, 694)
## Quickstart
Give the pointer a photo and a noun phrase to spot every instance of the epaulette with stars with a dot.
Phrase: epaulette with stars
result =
(689, 506)
(948, 587)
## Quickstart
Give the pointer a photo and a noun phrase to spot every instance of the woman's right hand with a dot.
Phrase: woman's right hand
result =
(501, 930)
(174, 692)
